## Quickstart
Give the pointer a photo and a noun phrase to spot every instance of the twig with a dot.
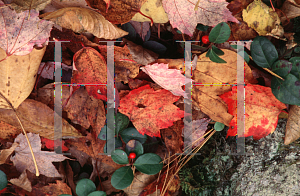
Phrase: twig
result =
(37, 173)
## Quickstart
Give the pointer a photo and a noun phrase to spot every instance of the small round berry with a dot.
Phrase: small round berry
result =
(205, 39)
(132, 155)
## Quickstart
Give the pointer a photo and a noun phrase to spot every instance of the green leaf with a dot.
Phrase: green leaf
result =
(202, 27)
(65, 195)
(110, 144)
(3, 180)
(97, 193)
(132, 134)
(234, 46)
(286, 91)
(134, 146)
(85, 187)
(282, 68)
(149, 163)
(214, 57)
(220, 33)
(219, 126)
(296, 66)
(122, 177)
(263, 52)
(217, 50)
(120, 157)
(297, 50)
(122, 122)
(246, 56)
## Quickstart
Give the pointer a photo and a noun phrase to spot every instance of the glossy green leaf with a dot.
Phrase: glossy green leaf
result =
(202, 27)
(132, 134)
(282, 68)
(263, 52)
(119, 156)
(220, 33)
(85, 187)
(134, 146)
(246, 56)
(219, 126)
(217, 50)
(297, 50)
(287, 91)
(296, 66)
(3, 180)
(214, 57)
(97, 193)
(149, 163)
(122, 122)
(122, 177)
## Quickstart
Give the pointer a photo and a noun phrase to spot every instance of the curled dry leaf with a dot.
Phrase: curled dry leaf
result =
(22, 182)
(292, 131)
(83, 20)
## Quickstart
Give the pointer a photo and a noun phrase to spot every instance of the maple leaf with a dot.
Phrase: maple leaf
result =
(262, 110)
(150, 110)
(23, 158)
(183, 16)
(19, 34)
(169, 79)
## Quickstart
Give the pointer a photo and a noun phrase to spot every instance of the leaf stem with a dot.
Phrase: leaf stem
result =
(33, 157)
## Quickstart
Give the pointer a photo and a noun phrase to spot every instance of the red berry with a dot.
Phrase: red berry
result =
(205, 39)
(132, 155)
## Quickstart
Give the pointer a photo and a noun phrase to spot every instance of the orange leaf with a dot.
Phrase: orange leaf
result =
(262, 110)
(150, 110)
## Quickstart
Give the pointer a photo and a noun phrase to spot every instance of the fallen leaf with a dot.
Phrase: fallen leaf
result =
(237, 6)
(183, 16)
(125, 66)
(92, 69)
(7, 152)
(198, 129)
(261, 111)
(172, 137)
(23, 158)
(150, 110)
(8, 132)
(18, 75)
(38, 118)
(139, 54)
(57, 188)
(262, 19)
(154, 10)
(169, 79)
(50, 144)
(291, 9)
(120, 11)
(46, 70)
(19, 34)
(81, 20)
(292, 132)
(22, 182)
(86, 110)
(205, 97)
(22, 5)
(67, 3)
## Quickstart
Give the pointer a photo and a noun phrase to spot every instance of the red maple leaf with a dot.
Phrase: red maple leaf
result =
(262, 110)
(151, 110)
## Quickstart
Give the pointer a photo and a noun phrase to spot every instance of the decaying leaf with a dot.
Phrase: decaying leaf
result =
(23, 158)
(18, 34)
(38, 118)
(85, 20)
(22, 182)
(292, 131)
(262, 19)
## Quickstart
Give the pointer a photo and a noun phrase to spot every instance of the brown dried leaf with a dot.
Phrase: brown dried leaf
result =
(22, 5)
(292, 131)
(83, 20)
(22, 182)
(38, 118)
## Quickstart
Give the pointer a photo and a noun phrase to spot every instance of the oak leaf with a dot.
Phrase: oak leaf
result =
(261, 111)
(150, 110)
